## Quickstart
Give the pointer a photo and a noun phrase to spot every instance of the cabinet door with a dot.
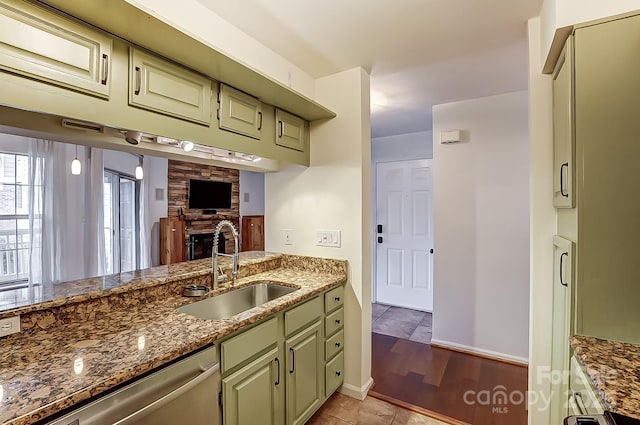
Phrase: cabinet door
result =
(43, 46)
(160, 86)
(239, 112)
(305, 369)
(291, 131)
(172, 240)
(562, 290)
(253, 233)
(563, 134)
(253, 395)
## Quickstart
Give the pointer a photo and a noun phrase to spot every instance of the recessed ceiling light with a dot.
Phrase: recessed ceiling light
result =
(187, 146)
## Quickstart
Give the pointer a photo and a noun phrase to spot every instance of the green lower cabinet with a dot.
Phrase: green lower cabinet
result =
(255, 394)
(305, 374)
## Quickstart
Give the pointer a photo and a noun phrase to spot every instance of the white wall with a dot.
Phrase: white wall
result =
(402, 147)
(251, 185)
(543, 224)
(334, 193)
(481, 222)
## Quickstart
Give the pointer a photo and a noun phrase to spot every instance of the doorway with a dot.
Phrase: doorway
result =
(404, 234)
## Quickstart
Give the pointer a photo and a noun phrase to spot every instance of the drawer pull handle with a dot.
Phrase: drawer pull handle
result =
(337, 321)
(337, 345)
(562, 282)
(562, 192)
(338, 373)
(105, 69)
(293, 360)
(578, 396)
(259, 125)
(281, 129)
(278, 377)
(138, 80)
(337, 299)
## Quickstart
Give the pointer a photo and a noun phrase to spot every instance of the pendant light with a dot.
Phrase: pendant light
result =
(139, 172)
(76, 166)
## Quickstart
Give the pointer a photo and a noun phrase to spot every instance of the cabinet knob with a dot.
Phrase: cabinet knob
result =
(337, 299)
(337, 344)
(337, 321)
(338, 373)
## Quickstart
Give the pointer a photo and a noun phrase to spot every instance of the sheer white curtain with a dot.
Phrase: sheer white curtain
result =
(144, 234)
(47, 211)
(95, 257)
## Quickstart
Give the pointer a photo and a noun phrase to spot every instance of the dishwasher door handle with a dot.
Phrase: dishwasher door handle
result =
(135, 416)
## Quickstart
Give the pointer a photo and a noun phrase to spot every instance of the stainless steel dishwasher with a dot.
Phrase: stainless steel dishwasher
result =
(184, 392)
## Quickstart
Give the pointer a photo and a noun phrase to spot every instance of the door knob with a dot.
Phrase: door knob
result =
(431, 251)
(379, 239)
(379, 228)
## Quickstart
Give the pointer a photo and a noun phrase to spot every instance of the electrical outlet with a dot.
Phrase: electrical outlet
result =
(288, 237)
(331, 238)
(10, 325)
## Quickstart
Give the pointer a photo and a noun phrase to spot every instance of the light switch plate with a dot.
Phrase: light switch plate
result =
(10, 325)
(288, 237)
(330, 238)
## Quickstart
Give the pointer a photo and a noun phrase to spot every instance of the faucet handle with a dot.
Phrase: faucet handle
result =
(221, 275)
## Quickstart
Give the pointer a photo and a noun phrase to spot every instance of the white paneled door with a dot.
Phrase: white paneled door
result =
(404, 234)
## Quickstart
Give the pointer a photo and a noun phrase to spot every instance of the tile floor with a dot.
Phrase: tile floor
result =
(401, 322)
(343, 410)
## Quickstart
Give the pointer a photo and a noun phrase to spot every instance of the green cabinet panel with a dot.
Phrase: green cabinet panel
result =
(334, 374)
(291, 131)
(41, 45)
(333, 299)
(563, 134)
(237, 350)
(333, 345)
(563, 260)
(253, 395)
(334, 321)
(239, 112)
(296, 318)
(304, 383)
(161, 86)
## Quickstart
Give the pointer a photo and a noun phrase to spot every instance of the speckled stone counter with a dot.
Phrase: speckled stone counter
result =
(88, 341)
(614, 370)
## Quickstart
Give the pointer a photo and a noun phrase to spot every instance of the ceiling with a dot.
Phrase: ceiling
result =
(419, 53)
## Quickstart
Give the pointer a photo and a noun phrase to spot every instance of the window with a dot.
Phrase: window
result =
(14, 219)
(121, 222)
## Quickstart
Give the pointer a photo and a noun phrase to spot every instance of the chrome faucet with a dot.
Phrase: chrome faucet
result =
(215, 269)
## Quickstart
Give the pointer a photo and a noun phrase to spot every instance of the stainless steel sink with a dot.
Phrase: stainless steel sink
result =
(236, 301)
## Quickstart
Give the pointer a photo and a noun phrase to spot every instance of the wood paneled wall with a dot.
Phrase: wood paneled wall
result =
(196, 222)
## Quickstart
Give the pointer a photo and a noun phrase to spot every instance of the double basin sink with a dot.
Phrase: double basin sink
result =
(236, 301)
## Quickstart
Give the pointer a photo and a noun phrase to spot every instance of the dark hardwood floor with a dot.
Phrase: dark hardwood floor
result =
(470, 389)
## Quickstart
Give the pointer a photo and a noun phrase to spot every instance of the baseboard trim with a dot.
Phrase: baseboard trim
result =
(356, 392)
(479, 352)
(417, 409)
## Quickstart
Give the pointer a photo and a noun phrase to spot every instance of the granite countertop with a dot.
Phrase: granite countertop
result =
(91, 342)
(614, 370)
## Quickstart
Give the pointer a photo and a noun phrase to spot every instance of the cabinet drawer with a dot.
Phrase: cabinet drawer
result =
(334, 374)
(161, 86)
(333, 345)
(333, 322)
(295, 319)
(43, 46)
(333, 299)
(582, 392)
(240, 348)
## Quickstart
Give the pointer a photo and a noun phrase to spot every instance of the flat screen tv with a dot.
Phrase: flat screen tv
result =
(209, 195)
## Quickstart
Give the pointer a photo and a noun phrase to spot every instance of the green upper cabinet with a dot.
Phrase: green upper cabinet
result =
(161, 86)
(239, 112)
(305, 374)
(291, 131)
(563, 134)
(41, 45)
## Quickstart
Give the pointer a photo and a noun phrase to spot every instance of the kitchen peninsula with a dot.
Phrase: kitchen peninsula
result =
(88, 336)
